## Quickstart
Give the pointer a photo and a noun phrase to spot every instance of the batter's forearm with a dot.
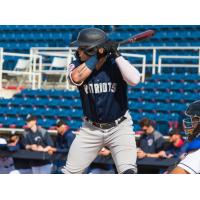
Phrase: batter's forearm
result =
(80, 74)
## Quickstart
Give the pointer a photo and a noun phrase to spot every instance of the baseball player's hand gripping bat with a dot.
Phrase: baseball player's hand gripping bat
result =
(137, 38)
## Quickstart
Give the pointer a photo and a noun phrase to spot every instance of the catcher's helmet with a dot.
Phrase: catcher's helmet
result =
(192, 123)
(90, 38)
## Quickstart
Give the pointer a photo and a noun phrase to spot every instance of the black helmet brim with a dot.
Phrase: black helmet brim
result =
(77, 43)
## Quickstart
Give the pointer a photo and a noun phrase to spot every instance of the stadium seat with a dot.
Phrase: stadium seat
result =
(163, 127)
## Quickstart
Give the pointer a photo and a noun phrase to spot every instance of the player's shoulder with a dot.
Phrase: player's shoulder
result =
(157, 135)
(26, 132)
(197, 152)
(42, 131)
(193, 153)
(191, 162)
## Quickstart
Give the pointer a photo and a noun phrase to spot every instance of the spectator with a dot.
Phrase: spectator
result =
(151, 142)
(37, 139)
(63, 141)
(13, 143)
(22, 166)
(177, 145)
(64, 137)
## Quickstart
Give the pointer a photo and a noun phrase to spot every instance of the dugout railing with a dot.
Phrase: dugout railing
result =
(19, 131)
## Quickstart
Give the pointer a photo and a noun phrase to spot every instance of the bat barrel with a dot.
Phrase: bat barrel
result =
(138, 37)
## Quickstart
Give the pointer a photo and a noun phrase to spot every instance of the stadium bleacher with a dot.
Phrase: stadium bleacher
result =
(148, 99)
(21, 38)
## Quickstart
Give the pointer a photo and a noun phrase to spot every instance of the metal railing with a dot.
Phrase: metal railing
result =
(177, 65)
(65, 52)
(156, 62)
(154, 51)
(31, 73)
(20, 131)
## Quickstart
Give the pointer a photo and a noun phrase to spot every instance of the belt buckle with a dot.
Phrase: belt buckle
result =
(99, 125)
(106, 126)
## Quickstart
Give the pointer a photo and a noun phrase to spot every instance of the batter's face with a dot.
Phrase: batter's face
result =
(83, 57)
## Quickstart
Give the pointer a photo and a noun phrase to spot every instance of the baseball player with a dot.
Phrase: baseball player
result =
(36, 138)
(191, 163)
(102, 75)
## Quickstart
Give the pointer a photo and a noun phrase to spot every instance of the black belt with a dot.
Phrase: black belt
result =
(107, 125)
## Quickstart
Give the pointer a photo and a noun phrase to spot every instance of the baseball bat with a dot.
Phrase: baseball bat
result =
(139, 37)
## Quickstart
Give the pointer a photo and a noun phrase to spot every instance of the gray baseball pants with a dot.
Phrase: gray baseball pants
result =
(90, 140)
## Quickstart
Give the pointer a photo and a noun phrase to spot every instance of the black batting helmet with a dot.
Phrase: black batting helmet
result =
(192, 123)
(91, 39)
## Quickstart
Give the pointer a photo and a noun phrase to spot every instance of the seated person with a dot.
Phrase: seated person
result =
(64, 137)
(151, 142)
(21, 166)
(13, 143)
(38, 139)
(63, 141)
(177, 145)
